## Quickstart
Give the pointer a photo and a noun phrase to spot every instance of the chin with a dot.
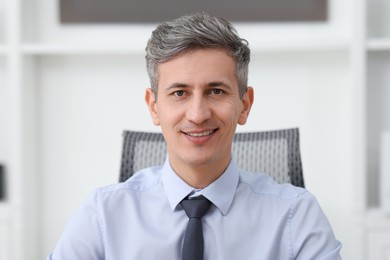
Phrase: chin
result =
(199, 160)
(202, 159)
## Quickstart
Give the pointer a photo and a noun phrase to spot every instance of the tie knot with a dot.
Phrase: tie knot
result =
(196, 207)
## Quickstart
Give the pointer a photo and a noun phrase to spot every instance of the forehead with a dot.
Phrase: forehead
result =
(198, 64)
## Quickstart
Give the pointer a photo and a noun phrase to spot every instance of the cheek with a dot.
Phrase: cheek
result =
(237, 113)
(229, 114)
(169, 116)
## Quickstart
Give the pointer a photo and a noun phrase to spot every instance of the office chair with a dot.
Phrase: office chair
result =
(275, 153)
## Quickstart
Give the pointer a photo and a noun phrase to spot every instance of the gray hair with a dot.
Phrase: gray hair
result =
(196, 31)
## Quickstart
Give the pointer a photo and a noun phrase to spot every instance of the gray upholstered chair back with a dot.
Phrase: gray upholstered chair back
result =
(275, 153)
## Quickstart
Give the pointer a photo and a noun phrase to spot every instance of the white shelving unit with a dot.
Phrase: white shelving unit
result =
(378, 44)
(5, 205)
(61, 85)
(377, 63)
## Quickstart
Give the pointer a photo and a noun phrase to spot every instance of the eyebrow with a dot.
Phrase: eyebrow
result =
(210, 84)
(176, 85)
(219, 83)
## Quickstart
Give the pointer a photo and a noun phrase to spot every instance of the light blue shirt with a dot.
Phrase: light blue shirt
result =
(252, 217)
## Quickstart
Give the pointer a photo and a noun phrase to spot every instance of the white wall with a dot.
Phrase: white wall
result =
(2, 21)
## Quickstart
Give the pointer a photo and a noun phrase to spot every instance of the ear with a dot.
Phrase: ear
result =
(151, 102)
(247, 102)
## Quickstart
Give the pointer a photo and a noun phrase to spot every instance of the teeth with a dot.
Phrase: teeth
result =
(200, 134)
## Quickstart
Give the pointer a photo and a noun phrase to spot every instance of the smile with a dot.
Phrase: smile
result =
(200, 134)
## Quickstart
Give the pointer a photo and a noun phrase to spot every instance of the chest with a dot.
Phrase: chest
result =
(237, 235)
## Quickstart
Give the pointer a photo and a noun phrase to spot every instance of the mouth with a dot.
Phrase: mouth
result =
(200, 134)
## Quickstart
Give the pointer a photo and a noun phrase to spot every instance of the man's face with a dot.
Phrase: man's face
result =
(199, 107)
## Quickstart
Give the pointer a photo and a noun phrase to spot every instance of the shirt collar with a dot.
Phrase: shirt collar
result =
(220, 192)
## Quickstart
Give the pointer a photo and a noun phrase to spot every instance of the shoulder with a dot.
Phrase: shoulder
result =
(141, 181)
(264, 185)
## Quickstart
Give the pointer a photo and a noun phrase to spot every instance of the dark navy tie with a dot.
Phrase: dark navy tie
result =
(193, 241)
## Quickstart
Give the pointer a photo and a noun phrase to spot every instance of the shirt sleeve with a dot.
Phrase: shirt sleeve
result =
(83, 237)
(311, 234)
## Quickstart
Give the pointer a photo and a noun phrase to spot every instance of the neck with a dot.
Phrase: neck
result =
(199, 176)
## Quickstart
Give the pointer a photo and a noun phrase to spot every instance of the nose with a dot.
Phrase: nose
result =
(198, 110)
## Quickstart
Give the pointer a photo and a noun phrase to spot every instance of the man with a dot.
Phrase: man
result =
(198, 68)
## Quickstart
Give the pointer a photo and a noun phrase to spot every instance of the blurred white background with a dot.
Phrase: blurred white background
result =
(68, 91)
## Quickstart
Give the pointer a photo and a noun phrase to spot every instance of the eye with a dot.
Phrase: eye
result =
(178, 93)
(216, 91)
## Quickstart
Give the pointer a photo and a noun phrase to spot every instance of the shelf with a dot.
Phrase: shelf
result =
(300, 46)
(58, 49)
(378, 44)
(52, 49)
